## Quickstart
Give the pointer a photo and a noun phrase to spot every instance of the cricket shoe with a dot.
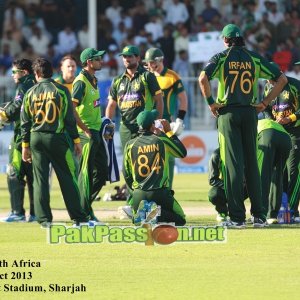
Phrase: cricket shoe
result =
(79, 224)
(221, 217)
(259, 223)
(250, 220)
(235, 225)
(153, 211)
(107, 197)
(140, 215)
(46, 224)
(296, 220)
(5, 218)
(93, 223)
(125, 212)
(272, 221)
(31, 219)
(147, 213)
(14, 218)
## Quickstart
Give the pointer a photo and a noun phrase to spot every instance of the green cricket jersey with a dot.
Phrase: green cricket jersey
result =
(171, 85)
(60, 80)
(269, 124)
(47, 107)
(238, 71)
(286, 104)
(86, 95)
(146, 164)
(13, 109)
(134, 95)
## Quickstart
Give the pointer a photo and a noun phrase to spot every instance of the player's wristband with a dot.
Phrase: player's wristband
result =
(169, 134)
(25, 144)
(293, 117)
(264, 104)
(3, 116)
(209, 100)
(181, 114)
(76, 141)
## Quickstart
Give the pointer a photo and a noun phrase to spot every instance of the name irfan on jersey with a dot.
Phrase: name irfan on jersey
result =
(238, 65)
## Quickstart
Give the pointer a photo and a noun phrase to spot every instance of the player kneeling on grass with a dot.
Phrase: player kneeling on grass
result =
(146, 168)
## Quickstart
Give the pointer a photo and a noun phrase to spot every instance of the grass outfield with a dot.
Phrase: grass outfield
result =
(252, 264)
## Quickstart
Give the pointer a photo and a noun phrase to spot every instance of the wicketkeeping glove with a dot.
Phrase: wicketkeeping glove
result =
(3, 118)
(177, 126)
(109, 131)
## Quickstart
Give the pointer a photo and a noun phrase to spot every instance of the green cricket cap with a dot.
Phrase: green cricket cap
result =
(90, 53)
(275, 65)
(146, 118)
(231, 30)
(153, 54)
(130, 50)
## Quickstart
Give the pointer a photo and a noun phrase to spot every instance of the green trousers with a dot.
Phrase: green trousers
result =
(17, 171)
(237, 128)
(52, 148)
(293, 170)
(93, 170)
(127, 134)
(216, 195)
(273, 150)
(171, 210)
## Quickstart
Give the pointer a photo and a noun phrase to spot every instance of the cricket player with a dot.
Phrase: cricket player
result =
(132, 92)
(47, 113)
(238, 70)
(17, 169)
(173, 92)
(146, 168)
(285, 109)
(68, 67)
(274, 145)
(216, 194)
(93, 170)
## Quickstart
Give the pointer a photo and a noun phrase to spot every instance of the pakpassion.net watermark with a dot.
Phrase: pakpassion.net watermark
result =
(146, 234)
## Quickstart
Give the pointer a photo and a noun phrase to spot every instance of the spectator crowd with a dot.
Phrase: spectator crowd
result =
(53, 28)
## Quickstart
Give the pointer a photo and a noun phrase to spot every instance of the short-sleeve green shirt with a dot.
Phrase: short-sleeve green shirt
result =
(134, 95)
(171, 85)
(86, 94)
(238, 70)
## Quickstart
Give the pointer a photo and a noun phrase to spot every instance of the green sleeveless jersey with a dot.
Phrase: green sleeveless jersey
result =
(134, 95)
(269, 124)
(86, 94)
(238, 71)
(146, 160)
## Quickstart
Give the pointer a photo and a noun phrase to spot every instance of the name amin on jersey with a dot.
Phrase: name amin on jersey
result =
(148, 148)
